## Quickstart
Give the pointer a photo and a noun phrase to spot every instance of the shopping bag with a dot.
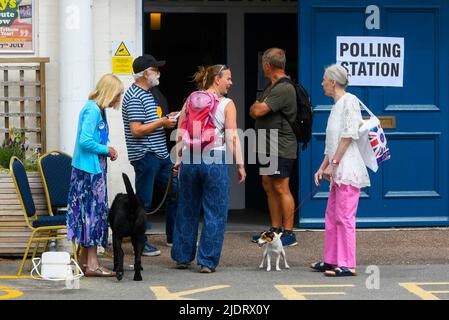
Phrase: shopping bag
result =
(372, 142)
(57, 266)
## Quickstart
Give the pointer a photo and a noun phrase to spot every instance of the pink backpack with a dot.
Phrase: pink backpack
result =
(198, 125)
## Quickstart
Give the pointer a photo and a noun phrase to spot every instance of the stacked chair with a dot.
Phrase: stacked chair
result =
(55, 169)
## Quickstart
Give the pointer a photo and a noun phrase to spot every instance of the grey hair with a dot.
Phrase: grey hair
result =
(275, 57)
(138, 75)
(338, 73)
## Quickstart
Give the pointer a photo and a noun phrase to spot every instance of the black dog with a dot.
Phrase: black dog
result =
(127, 218)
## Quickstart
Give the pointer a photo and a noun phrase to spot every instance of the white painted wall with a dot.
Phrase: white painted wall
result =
(47, 45)
(123, 23)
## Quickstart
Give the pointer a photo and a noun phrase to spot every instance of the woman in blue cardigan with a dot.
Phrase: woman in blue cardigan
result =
(87, 215)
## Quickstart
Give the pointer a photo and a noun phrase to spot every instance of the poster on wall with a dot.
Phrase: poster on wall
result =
(16, 26)
(372, 61)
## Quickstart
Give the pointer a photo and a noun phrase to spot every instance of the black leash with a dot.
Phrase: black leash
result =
(307, 197)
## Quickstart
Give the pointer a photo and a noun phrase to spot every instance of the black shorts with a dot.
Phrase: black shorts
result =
(283, 169)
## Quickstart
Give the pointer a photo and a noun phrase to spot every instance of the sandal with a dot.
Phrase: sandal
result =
(340, 272)
(99, 272)
(182, 266)
(321, 266)
(206, 269)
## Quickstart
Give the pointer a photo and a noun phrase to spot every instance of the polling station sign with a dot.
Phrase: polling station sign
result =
(372, 61)
(16, 26)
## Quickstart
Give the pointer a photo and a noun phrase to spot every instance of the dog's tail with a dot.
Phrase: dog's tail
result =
(129, 188)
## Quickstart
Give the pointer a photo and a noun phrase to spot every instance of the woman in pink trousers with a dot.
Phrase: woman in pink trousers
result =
(343, 166)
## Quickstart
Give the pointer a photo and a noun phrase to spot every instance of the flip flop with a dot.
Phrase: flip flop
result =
(340, 272)
(321, 266)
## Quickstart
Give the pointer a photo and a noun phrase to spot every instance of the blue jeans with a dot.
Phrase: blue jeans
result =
(206, 186)
(149, 171)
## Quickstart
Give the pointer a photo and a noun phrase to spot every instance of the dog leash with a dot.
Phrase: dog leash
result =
(307, 197)
(169, 186)
(167, 191)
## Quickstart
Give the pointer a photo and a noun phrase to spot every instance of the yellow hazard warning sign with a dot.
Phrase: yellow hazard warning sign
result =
(122, 65)
(122, 59)
(122, 51)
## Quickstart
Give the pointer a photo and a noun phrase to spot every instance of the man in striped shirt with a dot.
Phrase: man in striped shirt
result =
(145, 140)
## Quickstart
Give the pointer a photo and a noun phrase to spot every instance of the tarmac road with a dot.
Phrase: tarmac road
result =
(393, 264)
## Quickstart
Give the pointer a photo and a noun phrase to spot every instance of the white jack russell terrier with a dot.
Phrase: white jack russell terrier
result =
(273, 243)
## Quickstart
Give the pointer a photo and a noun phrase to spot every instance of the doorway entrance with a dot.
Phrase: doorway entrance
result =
(204, 34)
(185, 41)
(263, 31)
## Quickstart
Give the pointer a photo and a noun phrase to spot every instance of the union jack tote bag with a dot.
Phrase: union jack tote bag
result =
(372, 142)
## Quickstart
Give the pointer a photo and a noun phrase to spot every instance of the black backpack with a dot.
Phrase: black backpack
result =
(302, 124)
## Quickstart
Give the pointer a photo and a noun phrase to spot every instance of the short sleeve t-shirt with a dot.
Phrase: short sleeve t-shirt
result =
(281, 98)
(139, 106)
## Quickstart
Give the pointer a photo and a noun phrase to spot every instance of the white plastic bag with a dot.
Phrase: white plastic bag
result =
(372, 142)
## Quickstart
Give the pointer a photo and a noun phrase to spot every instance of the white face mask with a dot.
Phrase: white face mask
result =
(153, 81)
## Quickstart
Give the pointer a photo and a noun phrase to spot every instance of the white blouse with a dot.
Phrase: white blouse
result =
(343, 122)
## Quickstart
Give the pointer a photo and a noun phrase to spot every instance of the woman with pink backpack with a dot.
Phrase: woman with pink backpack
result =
(207, 137)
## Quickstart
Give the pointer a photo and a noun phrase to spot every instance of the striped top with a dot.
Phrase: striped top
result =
(140, 106)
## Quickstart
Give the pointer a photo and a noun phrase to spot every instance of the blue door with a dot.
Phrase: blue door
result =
(411, 189)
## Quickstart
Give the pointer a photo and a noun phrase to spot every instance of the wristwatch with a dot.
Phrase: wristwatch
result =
(335, 162)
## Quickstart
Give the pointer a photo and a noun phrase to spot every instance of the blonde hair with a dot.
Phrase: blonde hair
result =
(107, 88)
(338, 73)
(204, 77)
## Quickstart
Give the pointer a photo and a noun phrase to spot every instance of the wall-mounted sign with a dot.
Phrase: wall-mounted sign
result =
(16, 26)
(122, 60)
(372, 61)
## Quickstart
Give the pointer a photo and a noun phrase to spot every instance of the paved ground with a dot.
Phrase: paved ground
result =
(393, 264)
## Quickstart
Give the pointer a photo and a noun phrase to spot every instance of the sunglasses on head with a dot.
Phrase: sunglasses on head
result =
(223, 67)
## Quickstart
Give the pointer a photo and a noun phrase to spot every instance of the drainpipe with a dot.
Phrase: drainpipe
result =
(76, 66)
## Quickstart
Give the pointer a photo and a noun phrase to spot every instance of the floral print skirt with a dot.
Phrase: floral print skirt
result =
(87, 214)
